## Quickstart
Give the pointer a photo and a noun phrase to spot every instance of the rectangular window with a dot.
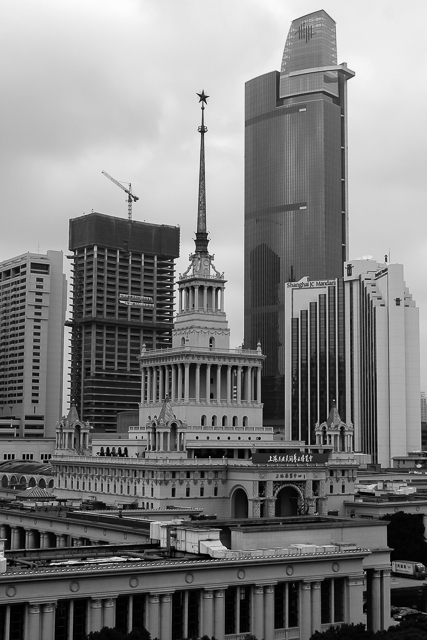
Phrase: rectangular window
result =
(187, 492)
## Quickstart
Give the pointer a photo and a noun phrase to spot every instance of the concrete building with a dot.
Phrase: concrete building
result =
(122, 298)
(353, 344)
(275, 579)
(382, 360)
(296, 205)
(32, 315)
(423, 421)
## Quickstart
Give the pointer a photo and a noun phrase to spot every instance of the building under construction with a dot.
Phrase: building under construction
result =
(122, 298)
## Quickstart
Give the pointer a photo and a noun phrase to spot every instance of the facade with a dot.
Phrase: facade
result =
(314, 322)
(382, 360)
(32, 315)
(353, 344)
(273, 579)
(423, 421)
(122, 298)
(296, 206)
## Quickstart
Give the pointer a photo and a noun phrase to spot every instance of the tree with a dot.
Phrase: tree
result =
(405, 535)
(106, 633)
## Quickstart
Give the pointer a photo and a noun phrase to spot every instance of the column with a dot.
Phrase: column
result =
(229, 384)
(305, 611)
(173, 376)
(130, 613)
(385, 605)
(316, 611)
(248, 384)
(258, 611)
(33, 625)
(218, 384)
(167, 390)
(354, 600)
(258, 391)
(376, 608)
(196, 298)
(48, 621)
(109, 612)
(198, 383)
(154, 385)
(269, 612)
(95, 614)
(239, 385)
(222, 298)
(219, 614)
(187, 382)
(43, 540)
(71, 619)
(148, 369)
(153, 615)
(14, 540)
(207, 615)
(166, 617)
(179, 382)
(29, 539)
(161, 384)
(205, 298)
(208, 383)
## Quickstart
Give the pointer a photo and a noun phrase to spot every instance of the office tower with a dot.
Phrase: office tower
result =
(314, 355)
(296, 212)
(353, 344)
(123, 281)
(32, 313)
(209, 383)
(382, 360)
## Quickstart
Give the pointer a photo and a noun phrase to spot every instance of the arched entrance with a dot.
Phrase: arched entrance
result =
(287, 500)
(239, 504)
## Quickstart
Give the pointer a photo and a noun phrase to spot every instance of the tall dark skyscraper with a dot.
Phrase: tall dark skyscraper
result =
(296, 214)
(122, 298)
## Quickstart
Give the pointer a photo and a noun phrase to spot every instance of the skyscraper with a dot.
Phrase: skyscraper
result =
(123, 289)
(296, 209)
(32, 313)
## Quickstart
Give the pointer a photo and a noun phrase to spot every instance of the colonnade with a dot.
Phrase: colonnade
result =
(300, 608)
(18, 537)
(210, 382)
(201, 298)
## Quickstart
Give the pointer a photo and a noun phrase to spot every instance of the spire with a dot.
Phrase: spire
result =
(202, 234)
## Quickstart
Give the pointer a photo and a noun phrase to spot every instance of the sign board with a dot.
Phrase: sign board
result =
(290, 457)
(136, 301)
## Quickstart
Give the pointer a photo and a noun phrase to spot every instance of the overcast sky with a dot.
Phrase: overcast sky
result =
(92, 85)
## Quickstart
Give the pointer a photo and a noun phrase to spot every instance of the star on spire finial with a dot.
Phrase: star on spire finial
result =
(203, 97)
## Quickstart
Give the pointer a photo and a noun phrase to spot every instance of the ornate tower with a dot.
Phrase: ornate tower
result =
(207, 382)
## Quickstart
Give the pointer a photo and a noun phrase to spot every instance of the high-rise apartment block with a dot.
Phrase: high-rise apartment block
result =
(296, 210)
(353, 343)
(32, 314)
(123, 290)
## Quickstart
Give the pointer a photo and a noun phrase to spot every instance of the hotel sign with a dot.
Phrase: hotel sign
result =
(136, 301)
(311, 285)
(291, 457)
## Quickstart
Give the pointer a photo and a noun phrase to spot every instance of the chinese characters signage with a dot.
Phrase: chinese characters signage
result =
(289, 457)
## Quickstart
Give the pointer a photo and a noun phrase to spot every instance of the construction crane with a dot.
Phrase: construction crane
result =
(131, 196)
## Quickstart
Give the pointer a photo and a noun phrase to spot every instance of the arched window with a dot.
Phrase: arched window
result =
(211, 343)
(245, 421)
(203, 421)
(214, 421)
(182, 342)
(234, 421)
(224, 421)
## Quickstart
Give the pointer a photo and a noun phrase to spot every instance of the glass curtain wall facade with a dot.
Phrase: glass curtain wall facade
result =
(316, 358)
(295, 187)
(122, 298)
